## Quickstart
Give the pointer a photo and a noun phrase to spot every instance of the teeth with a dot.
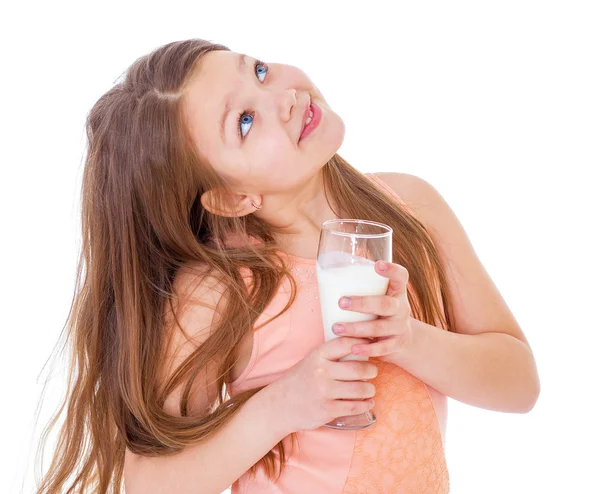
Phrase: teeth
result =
(308, 119)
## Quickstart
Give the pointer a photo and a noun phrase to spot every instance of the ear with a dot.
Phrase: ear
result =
(222, 203)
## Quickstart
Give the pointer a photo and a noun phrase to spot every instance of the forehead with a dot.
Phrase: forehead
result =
(214, 77)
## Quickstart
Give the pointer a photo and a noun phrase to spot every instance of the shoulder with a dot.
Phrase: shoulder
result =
(198, 302)
(196, 294)
(395, 179)
(427, 204)
(415, 191)
(195, 283)
(477, 303)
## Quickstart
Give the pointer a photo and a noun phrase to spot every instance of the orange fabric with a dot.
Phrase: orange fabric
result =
(403, 452)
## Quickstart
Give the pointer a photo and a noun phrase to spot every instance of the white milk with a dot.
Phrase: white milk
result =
(346, 280)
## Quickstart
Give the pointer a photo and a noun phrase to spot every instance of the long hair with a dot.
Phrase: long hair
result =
(142, 221)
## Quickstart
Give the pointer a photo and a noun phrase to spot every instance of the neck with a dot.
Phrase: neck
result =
(299, 214)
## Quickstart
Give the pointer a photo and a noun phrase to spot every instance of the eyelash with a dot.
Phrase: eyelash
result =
(239, 119)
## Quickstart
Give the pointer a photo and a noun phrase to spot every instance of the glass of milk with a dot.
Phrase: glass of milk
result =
(348, 250)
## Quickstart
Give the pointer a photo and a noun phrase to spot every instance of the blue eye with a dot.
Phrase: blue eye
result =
(245, 118)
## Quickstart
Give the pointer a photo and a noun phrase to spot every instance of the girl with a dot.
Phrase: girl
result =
(198, 355)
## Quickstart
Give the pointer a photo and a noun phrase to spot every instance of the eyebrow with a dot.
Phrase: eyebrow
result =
(241, 65)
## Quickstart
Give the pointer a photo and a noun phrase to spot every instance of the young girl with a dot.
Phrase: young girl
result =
(198, 354)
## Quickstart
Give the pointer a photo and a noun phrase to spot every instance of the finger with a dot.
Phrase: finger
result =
(343, 408)
(397, 274)
(351, 370)
(381, 305)
(351, 390)
(376, 328)
(378, 349)
(340, 347)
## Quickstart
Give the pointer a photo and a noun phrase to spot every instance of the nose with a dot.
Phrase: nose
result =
(286, 103)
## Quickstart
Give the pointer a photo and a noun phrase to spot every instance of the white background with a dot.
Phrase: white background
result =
(496, 104)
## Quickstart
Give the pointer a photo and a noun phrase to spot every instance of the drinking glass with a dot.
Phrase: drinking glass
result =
(348, 250)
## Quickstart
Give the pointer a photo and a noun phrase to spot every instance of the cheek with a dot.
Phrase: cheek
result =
(273, 146)
(273, 156)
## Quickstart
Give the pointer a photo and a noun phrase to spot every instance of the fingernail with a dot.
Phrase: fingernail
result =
(381, 265)
(338, 328)
(344, 302)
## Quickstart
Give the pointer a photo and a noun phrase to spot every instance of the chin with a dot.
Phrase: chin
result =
(325, 145)
(335, 136)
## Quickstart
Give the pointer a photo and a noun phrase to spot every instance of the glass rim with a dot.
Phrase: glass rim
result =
(387, 228)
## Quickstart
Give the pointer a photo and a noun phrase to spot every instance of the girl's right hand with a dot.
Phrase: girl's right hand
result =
(310, 394)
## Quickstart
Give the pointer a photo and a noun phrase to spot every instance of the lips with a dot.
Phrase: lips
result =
(305, 115)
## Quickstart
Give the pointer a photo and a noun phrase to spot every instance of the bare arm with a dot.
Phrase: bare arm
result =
(211, 467)
(214, 464)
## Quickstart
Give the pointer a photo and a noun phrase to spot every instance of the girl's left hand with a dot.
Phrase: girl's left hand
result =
(392, 330)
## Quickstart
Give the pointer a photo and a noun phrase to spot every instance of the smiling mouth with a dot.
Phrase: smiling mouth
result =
(311, 121)
(308, 119)
(305, 117)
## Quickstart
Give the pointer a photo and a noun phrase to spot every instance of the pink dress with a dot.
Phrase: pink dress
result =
(403, 452)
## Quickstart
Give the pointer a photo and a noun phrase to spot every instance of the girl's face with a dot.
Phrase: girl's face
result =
(261, 154)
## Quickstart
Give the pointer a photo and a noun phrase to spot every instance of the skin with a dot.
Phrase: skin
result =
(268, 166)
